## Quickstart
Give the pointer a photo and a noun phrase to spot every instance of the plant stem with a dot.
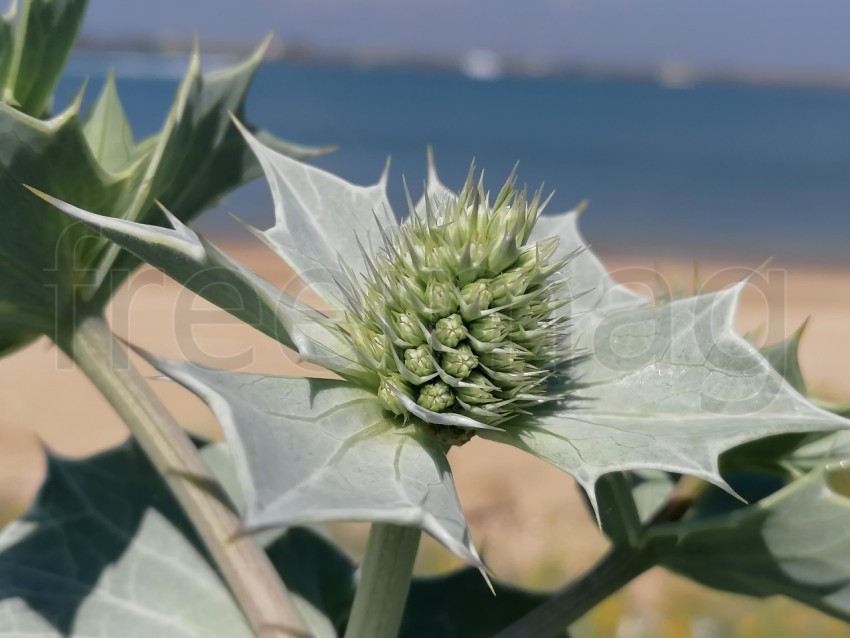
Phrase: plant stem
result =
(614, 570)
(619, 566)
(681, 499)
(242, 562)
(384, 581)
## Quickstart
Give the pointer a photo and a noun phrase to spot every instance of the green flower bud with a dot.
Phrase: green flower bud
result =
(511, 220)
(460, 362)
(407, 328)
(537, 255)
(525, 317)
(507, 286)
(420, 361)
(440, 299)
(482, 393)
(436, 397)
(390, 401)
(476, 298)
(438, 259)
(490, 329)
(450, 330)
(373, 345)
(505, 359)
(504, 254)
(477, 252)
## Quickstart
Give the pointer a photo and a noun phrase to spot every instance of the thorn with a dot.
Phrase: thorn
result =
(723, 485)
(432, 168)
(176, 224)
(582, 206)
(470, 176)
(77, 102)
(542, 206)
(695, 283)
(798, 333)
(483, 570)
(196, 46)
(39, 194)
(260, 52)
(245, 132)
(385, 174)
(762, 267)
(411, 207)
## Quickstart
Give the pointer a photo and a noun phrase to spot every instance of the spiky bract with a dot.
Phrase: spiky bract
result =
(456, 309)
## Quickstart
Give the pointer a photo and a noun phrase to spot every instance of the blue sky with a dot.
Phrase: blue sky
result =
(794, 35)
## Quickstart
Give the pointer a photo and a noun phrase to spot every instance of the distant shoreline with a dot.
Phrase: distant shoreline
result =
(477, 64)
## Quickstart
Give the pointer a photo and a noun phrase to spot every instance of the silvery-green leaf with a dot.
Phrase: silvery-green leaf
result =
(784, 357)
(197, 158)
(314, 450)
(45, 32)
(107, 130)
(323, 577)
(594, 293)
(184, 256)
(775, 454)
(320, 219)
(51, 265)
(435, 190)
(104, 552)
(667, 388)
(43, 254)
(319, 576)
(793, 543)
(199, 143)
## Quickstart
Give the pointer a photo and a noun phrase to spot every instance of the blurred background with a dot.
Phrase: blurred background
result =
(708, 137)
(702, 127)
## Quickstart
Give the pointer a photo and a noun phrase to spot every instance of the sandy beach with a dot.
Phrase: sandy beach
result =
(521, 510)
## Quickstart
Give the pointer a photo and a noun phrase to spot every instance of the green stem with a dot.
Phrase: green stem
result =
(617, 568)
(384, 581)
(242, 562)
(687, 492)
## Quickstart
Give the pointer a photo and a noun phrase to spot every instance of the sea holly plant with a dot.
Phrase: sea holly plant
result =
(477, 315)
(58, 275)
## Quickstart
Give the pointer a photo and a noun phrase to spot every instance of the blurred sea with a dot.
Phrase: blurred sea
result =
(697, 171)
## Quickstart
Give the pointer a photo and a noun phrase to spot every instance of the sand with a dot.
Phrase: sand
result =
(527, 516)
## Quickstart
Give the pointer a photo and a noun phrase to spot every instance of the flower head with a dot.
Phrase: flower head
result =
(462, 289)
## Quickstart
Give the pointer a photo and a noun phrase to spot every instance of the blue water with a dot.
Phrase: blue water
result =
(752, 172)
